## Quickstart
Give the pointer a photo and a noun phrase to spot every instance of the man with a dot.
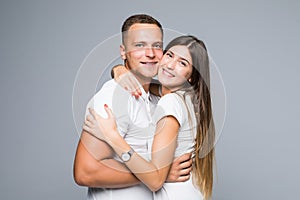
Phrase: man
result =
(141, 50)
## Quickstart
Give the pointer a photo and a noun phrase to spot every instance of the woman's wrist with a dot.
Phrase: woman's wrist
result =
(117, 142)
(113, 138)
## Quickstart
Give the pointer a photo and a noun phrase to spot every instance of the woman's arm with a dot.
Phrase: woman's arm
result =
(126, 79)
(152, 173)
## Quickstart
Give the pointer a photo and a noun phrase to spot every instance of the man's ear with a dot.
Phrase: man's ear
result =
(122, 52)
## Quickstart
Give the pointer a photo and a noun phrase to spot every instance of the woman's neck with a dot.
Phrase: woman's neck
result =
(165, 90)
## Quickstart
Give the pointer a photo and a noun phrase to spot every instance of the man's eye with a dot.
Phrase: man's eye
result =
(139, 45)
(158, 46)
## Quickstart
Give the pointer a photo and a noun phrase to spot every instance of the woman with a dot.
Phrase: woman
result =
(183, 120)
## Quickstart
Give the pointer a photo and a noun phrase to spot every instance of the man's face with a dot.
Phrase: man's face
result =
(143, 50)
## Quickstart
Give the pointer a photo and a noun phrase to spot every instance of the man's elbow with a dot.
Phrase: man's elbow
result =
(81, 178)
(156, 186)
(83, 175)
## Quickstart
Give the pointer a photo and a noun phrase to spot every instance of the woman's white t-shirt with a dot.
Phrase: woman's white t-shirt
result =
(174, 104)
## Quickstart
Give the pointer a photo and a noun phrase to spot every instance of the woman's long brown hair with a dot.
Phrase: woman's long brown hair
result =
(199, 84)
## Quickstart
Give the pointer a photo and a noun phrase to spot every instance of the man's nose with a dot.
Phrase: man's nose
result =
(150, 52)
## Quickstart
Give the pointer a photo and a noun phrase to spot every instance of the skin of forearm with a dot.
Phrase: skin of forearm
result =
(153, 175)
(113, 174)
(106, 173)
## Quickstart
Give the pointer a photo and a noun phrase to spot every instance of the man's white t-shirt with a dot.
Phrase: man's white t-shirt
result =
(133, 117)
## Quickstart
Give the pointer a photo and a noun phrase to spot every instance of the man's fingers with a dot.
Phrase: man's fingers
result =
(186, 164)
(185, 157)
(184, 178)
(186, 171)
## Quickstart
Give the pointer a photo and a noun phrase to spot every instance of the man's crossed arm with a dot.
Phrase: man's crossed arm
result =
(95, 167)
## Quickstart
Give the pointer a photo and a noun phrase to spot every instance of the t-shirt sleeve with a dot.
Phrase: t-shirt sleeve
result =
(170, 105)
(107, 95)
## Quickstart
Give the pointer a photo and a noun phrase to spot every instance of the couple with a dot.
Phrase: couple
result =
(147, 134)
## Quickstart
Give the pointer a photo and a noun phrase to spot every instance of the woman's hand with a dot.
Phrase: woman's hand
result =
(127, 80)
(103, 129)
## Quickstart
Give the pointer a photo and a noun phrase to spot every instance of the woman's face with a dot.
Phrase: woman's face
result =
(175, 67)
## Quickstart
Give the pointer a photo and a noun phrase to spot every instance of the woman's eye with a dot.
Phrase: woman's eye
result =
(183, 63)
(169, 55)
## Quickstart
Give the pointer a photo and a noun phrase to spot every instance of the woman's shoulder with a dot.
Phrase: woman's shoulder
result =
(171, 98)
(171, 104)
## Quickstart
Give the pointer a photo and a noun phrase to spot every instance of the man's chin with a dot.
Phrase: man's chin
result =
(151, 75)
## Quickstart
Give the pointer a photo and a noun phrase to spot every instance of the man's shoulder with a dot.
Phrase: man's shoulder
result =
(109, 85)
(110, 94)
(109, 88)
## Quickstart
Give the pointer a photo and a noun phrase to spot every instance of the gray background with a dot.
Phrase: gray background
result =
(254, 43)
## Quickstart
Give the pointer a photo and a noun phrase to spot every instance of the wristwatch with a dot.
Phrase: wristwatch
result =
(127, 155)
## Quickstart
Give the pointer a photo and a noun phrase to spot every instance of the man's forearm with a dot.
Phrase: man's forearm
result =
(117, 175)
(108, 173)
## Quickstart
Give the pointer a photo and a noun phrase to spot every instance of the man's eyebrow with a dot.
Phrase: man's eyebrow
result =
(158, 43)
(134, 42)
(142, 41)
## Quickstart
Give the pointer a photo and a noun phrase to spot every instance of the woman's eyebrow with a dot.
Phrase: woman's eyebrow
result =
(179, 56)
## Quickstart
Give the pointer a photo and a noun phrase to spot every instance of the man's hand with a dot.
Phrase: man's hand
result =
(180, 169)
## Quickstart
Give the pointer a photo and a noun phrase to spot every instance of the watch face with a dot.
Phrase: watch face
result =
(125, 157)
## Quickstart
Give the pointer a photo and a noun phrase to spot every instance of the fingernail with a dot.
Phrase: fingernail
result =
(105, 105)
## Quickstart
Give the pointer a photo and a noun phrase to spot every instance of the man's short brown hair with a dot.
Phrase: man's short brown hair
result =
(138, 18)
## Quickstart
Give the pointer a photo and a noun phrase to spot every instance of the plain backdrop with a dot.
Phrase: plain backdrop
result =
(254, 43)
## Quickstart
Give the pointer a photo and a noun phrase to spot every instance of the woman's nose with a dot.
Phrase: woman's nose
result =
(171, 64)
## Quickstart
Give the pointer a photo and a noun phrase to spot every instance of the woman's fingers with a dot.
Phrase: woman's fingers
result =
(89, 123)
(125, 82)
(93, 112)
(136, 87)
(108, 111)
(87, 129)
(130, 83)
(89, 118)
